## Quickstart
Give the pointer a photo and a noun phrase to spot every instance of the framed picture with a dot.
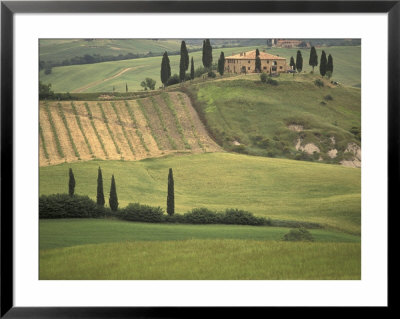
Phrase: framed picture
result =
(165, 157)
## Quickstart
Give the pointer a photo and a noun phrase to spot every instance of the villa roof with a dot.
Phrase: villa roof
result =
(251, 55)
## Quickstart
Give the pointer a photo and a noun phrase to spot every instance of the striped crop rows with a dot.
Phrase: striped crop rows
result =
(120, 130)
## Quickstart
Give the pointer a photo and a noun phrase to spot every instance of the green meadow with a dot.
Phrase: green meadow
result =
(276, 188)
(75, 77)
(102, 77)
(258, 115)
(219, 259)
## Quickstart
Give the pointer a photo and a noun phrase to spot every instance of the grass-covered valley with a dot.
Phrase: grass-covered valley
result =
(285, 153)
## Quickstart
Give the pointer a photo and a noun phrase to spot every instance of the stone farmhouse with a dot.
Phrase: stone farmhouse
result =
(245, 62)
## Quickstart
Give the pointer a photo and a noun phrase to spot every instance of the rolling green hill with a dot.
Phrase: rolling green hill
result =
(102, 77)
(276, 188)
(57, 50)
(292, 119)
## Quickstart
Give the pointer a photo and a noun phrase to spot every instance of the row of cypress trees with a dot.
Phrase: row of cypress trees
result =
(326, 65)
(207, 59)
(113, 199)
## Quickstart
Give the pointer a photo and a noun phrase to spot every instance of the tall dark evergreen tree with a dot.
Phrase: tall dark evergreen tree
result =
(100, 192)
(171, 195)
(113, 200)
(221, 63)
(257, 52)
(299, 62)
(184, 62)
(207, 54)
(258, 64)
(322, 65)
(71, 183)
(192, 69)
(292, 63)
(126, 87)
(313, 58)
(329, 65)
(165, 69)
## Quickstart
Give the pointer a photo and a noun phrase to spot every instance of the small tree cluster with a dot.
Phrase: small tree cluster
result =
(148, 83)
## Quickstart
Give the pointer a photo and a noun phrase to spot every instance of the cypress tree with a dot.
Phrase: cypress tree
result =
(71, 183)
(257, 52)
(207, 54)
(299, 61)
(292, 64)
(203, 56)
(221, 63)
(258, 64)
(113, 200)
(100, 192)
(329, 65)
(171, 195)
(192, 69)
(165, 69)
(322, 65)
(126, 87)
(313, 58)
(184, 62)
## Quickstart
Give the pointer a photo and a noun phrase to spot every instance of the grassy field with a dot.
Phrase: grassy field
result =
(203, 259)
(57, 50)
(258, 115)
(102, 77)
(275, 188)
(58, 233)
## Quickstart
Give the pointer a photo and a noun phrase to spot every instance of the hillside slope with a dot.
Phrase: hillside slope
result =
(294, 119)
(123, 130)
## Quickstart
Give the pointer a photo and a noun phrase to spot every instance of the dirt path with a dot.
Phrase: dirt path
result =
(92, 84)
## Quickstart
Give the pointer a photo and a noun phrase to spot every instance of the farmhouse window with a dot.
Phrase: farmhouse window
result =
(249, 61)
(267, 62)
(280, 67)
(265, 67)
(249, 68)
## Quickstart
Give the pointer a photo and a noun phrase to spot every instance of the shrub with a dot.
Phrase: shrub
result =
(173, 80)
(202, 216)
(272, 81)
(300, 234)
(176, 218)
(328, 97)
(65, 206)
(322, 103)
(211, 74)
(319, 83)
(199, 72)
(241, 217)
(263, 77)
(141, 213)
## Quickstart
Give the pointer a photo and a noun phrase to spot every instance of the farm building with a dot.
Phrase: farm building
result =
(245, 62)
(285, 43)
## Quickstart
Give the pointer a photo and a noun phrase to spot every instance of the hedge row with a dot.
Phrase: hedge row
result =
(65, 206)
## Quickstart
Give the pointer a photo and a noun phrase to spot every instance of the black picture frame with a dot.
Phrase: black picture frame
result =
(9, 8)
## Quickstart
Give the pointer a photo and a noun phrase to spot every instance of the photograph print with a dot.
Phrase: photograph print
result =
(199, 159)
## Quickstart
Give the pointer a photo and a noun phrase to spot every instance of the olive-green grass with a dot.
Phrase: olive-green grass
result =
(276, 188)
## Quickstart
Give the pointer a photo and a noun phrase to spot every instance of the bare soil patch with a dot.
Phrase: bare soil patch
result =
(296, 128)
